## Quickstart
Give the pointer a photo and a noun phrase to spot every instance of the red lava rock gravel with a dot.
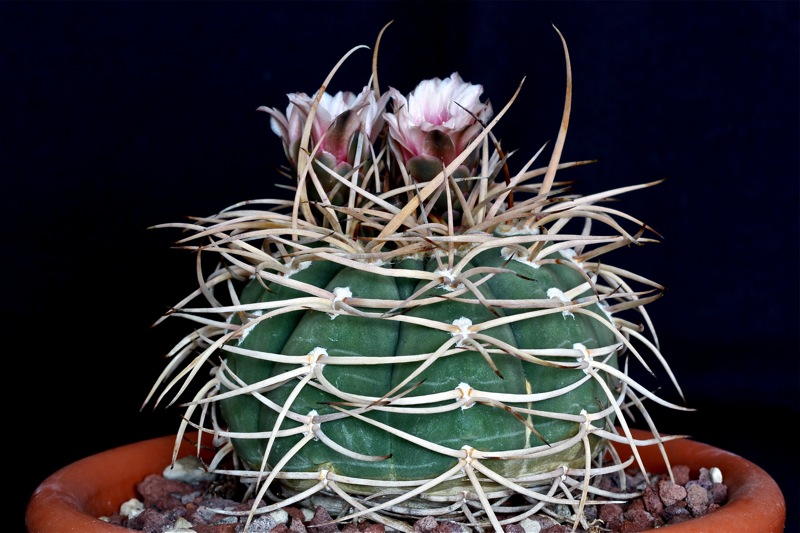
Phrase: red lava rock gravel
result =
(175, 506)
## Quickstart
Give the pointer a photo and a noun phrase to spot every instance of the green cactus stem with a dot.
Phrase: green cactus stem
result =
(427, 347)
(511, 359)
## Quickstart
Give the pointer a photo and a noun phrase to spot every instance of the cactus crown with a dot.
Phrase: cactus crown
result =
(420, 330)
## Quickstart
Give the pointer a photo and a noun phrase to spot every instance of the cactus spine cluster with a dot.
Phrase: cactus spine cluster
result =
(416, 332)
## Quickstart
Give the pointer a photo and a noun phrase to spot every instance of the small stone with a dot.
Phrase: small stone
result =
(333, 504)
(681, 473)
(719, 493)
(697, 499)
(608, 483)
(704, 478)
(513, 528)
(637, 520)
(279, 516)
(448, 526)
(260, 524)
(218, 528)
(669, 492)
(590, 513)
(675, 514)
(425, 525)
(637, 480)
(611, 515)
(181, 525)
(156, 491)
(211, 516)
(322, 522)
(295, 512)
(681, 518)
(531, 526)
(558, 528)
(188, 469)
(131, 508)
(152, 519)
(634, 506)
(296, 526)
(652, 502)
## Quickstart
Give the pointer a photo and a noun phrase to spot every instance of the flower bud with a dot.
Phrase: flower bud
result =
(335, 128)
(435, 124)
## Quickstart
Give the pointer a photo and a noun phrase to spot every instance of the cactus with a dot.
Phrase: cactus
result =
(419, 330)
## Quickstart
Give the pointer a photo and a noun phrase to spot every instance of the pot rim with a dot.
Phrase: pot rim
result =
(72, 498)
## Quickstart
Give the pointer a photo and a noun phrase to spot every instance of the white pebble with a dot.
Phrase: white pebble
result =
(280, 516)
(181, 526)
(131, 508)
(531, 526)
(715, 474)
(188, 469)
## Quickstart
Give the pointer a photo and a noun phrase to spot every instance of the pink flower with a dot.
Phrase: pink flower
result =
(336, 123)
(436, 124)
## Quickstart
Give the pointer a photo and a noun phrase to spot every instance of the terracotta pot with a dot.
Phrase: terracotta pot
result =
(755, 502)
(72, 498)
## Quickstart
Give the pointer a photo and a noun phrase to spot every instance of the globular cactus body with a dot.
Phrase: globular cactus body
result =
(486, 425)
(412, 328)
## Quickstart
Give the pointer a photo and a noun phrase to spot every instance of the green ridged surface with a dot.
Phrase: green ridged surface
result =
(482, 427)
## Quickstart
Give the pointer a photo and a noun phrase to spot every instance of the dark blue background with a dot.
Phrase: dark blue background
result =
(119, 116)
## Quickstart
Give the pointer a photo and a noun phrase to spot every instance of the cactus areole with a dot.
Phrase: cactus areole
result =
(420, 329)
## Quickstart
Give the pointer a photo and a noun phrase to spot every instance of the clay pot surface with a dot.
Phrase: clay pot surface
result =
(755, 502)
(71, 499)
